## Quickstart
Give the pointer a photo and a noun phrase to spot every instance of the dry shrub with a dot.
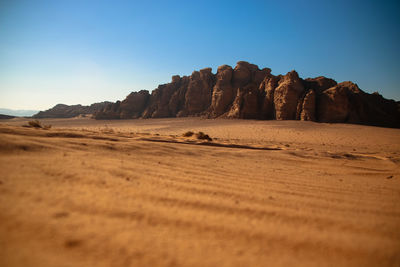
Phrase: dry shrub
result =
(38, 125)
(203, 136)
(199, 135)
(35, 124)
(188, 134)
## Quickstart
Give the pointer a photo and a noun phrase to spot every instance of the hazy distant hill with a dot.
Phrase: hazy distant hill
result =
(18, 113)
(69, 111)
(6, 117)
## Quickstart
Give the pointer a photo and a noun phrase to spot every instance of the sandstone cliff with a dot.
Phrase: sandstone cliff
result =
(248, 92)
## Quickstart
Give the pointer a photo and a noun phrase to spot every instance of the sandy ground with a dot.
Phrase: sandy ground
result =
(137, 193)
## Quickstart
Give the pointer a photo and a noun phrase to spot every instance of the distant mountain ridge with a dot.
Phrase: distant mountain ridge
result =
(18, 112)
(247, 92)
(6, 117)
(69, 111)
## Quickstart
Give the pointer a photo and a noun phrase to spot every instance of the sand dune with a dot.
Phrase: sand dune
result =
(138, 193)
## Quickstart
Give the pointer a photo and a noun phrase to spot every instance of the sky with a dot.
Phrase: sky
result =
(81, 52)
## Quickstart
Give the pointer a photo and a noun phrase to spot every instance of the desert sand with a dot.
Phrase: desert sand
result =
(138, 193)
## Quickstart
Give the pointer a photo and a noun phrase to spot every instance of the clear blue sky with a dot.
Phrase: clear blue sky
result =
(88, 51)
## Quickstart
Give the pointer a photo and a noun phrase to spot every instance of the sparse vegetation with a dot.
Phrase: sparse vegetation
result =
(199, 135)
(203, 136)
(188, 134)
(37, 124)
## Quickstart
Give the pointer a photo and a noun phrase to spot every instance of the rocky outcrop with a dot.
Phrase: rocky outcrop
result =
(134, 104)
(248, 92)
(245, 82)
(287, 95)
(319, 84)
(69, 111)
(131, 107)
(199, 92)
(267, 89)
(168, 99)
(347, 103)
(307, 112)
(223, 92)
(334, 103)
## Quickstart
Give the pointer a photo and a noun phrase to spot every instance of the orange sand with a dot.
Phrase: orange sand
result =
(137, 193)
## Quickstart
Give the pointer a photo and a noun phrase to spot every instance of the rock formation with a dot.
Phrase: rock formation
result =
(287, 95)
(248, 92)
(66, 111)
(307, 107)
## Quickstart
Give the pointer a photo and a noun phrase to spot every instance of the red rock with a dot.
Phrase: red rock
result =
(223, 92)
(319, 84)
(286, 96)
(334, 103)
(308, 106)
(267, 89)
(199, 92)
(134, 104)
(250, 93)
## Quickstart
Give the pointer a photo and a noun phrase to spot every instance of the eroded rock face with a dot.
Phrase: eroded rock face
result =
(245, 83)
(177, 102)
(267, 89)
(250, 93)
(110, 112)
(308, 107)
(245, 105)
(334, 103)
(286, 96)
(319, 84)
(134, 104)
(199, 92)
(163, 97)
(242, 74)
(223, 92)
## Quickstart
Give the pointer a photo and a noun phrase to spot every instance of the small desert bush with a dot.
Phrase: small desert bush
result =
(188, 134)
(203, 136)
(38, 125)
(199, 135)
(35, 124)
